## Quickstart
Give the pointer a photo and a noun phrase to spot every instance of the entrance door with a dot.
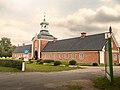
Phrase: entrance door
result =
(36, 55)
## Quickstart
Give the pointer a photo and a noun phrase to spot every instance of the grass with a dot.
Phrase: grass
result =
(8, 69)
(102, 65)
(84, 64)
(72, 87)
(104, 84)
(47, 68)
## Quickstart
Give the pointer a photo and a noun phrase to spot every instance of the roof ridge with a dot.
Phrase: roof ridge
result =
(78, 37)
(25, 45)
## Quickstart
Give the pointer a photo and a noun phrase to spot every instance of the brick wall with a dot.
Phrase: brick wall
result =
(89, 56)
(115, 50)
(35, 47)
(43, 43)
(20, 55)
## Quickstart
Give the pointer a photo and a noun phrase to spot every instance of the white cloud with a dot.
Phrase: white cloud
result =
(90, 21)
(12, 29)
(20, 20)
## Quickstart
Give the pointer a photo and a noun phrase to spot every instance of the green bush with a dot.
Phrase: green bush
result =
(72, 62)
(30, 61)
(11, 63)
(48, 61)
(38, 60)
(41, 62)
(95, 64)
(56, 63)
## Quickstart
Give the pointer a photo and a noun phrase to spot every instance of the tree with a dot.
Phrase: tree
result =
(6, 43)
(6, 48)
(1, 50)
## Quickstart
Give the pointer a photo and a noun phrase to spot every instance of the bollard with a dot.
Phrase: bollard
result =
(23, 66)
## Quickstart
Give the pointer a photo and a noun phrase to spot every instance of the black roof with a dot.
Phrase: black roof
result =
(20, 49)
(88, 43)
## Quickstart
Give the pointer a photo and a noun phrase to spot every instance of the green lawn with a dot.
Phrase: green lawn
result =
(72, 87)
(104, 84)
(8, 69)
(47, 68)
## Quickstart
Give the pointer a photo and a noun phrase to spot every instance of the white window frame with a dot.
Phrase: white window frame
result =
(47, 55)
(66, 55)
(55, 55)
(115, 57)
(50, 55)
(112, 44)
(60, 55)
(73, 55)
(81, 56)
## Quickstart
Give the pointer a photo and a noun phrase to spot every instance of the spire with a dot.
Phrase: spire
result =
(110, 29)
(44, 24)
(44, 17)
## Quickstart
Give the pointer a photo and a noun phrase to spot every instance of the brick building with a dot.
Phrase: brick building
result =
(83, 49)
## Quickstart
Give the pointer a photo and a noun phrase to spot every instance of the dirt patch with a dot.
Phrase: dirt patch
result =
(77, 84)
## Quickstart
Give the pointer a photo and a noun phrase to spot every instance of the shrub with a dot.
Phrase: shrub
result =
(11, 63)
(38, 60)
(72, 62)
(56, 63)
(41, 62)
(30, 61)
(48, 61)
(95, 64)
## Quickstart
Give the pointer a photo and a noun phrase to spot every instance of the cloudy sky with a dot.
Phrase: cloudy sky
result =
(20, 19)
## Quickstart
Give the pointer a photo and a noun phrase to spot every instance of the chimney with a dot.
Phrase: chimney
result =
(23, 44)
(55, 39)
(83, 34)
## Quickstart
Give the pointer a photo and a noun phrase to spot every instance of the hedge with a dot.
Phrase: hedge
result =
(11, 63)
(56, 63)
(48, 61)
(72, 62)
(95, 64)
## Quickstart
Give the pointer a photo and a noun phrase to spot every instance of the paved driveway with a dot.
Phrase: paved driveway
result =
(38, 80)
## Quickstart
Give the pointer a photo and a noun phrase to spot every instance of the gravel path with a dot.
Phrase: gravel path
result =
(47, 81)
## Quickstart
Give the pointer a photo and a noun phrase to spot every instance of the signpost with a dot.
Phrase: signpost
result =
(108, 63)
(26, 57)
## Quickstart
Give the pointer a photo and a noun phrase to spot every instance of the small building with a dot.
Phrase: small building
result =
(83, 49)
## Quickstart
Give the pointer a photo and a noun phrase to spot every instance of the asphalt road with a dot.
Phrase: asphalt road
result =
(38, 80)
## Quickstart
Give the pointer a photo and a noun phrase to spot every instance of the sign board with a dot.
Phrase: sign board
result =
(26, 51)
(108, 62)
(26, 56)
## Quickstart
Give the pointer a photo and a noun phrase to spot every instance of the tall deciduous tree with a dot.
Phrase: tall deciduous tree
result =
(6, 48)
